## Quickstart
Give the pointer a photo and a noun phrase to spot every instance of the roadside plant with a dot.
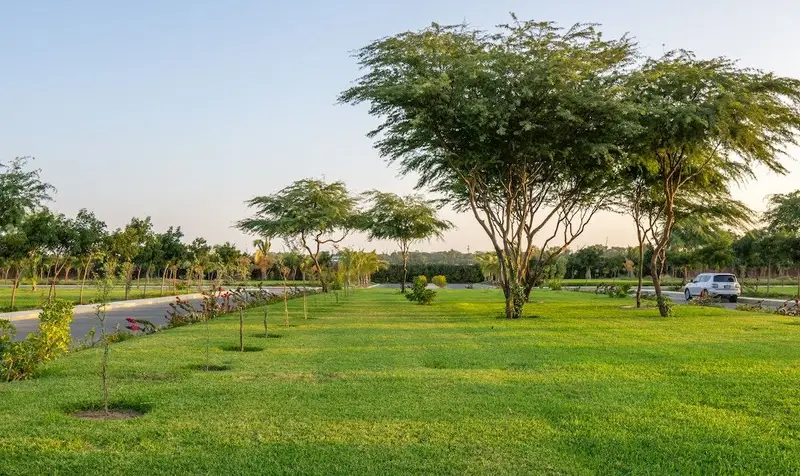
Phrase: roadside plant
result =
(21, 360)
(555, 285)
(104, 287)
(142, 326)
(704, 301)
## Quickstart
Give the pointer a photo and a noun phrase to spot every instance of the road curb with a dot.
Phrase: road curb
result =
(91, 308)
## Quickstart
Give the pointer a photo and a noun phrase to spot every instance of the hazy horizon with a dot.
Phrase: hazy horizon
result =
(182, 111)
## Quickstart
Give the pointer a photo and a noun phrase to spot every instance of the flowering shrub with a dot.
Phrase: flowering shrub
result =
(439, 281)
(141, 325)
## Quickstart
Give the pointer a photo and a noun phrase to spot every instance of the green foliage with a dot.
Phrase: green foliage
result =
(420, 293)
(21, 192)
(439, 281)
(783, 213)
(555, 284)
(21, 360)
(53, 337)
(310, 212)
(452, 273)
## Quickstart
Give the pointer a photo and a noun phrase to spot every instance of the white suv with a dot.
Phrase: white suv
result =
(715, 285)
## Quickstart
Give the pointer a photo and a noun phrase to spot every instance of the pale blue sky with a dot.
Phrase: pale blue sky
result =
(183, 109)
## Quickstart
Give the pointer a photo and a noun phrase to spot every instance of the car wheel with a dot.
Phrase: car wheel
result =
(734, 298)
(687, 294)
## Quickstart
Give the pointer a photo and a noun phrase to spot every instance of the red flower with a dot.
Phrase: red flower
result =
(135, 327)
(219, 288)
(131, 320)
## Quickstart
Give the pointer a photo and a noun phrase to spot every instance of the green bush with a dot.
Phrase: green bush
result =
(21, 360)
(439, 281)
(420, 292)
(53, 338)
(555, 285)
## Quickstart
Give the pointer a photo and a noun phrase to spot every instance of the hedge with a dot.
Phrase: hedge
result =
(453, 273)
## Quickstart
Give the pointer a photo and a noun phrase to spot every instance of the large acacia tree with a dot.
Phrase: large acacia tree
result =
(311, 213)
(402, 219)
(521, 127)
(700, 115)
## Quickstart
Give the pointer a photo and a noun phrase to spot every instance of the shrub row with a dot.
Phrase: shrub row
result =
(462, 274)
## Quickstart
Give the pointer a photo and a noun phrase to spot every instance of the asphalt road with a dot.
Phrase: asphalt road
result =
(82, 324)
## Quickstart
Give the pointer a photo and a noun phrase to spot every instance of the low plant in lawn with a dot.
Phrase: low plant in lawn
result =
(666, 303)
(440, 281)
(420, 292)
(555, 284)
(104, 287)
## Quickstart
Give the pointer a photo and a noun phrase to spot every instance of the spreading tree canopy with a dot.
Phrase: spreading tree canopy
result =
(404, 220)
(310, 212)
(521, 127)
(699, 120)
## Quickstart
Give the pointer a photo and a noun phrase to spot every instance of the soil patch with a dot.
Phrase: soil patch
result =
(210, 368)
(247, 348)
(113, 414)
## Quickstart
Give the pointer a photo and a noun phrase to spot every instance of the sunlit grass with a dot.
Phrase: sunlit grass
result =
(377, 385)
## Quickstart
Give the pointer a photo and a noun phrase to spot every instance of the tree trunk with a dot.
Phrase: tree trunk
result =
(769, 278)
(405, 273)
(263, 274)
(285, 303)
(138, 275)
(14, 289)
(163, 279)
(655, 272)
(641, 272)
(83, 277)
(146, 281)
(241, 329)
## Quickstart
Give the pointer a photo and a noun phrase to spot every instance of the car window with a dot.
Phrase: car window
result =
(724, 278)
(705, 278)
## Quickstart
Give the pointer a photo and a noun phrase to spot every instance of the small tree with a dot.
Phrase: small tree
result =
(311, 212)
(696, 116)
(104, 287)
(404, 220)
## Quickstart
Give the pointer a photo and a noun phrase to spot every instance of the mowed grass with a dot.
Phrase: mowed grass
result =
(377, 385)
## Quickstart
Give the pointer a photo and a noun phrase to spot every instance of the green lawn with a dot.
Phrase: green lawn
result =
(377, 385)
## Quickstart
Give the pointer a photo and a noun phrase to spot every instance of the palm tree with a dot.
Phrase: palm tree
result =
(490, 266)
(262, 257)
